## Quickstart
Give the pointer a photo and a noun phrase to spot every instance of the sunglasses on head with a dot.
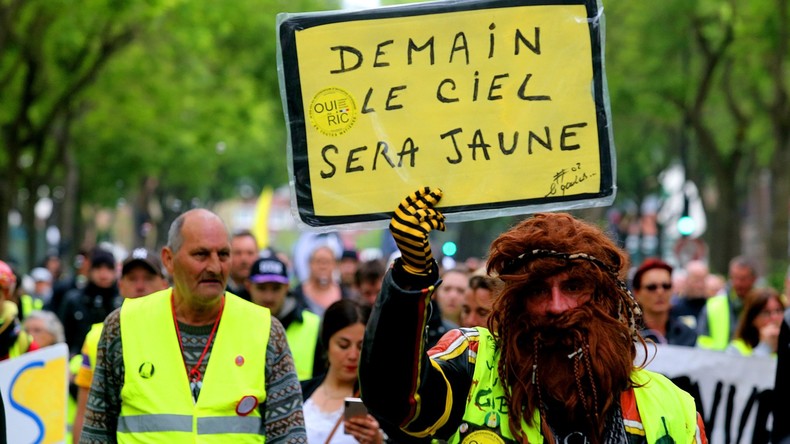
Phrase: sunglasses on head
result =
(654, 287)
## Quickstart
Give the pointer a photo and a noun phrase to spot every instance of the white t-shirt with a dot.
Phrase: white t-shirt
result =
(319, 424)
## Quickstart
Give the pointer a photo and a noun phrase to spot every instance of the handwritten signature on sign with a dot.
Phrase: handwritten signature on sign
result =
(567, 178)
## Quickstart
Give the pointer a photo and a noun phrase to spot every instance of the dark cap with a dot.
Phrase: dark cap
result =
(269, 269)
(101, 258)
(349, 254)
(141, 256)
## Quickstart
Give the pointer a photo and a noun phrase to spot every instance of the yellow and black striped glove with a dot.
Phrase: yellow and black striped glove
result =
(414, 218)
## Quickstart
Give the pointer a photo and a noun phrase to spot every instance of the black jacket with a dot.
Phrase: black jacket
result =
(781, 398)
(81, 308)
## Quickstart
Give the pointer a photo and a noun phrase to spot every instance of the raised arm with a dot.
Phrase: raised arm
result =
(399, 383)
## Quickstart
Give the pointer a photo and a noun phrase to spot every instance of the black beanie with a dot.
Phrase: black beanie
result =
(101, 257)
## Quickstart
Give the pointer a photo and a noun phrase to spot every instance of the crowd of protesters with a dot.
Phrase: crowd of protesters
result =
(320, 320)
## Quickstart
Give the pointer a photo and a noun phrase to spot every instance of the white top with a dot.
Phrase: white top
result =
(319, 424)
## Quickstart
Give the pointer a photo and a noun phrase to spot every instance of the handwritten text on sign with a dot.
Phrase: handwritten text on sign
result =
(491, 105)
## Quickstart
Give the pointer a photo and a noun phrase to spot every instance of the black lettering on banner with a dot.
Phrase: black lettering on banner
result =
(566, 133)
(533, 139)
(408, 149)
(478, 142)
(544, 143)
(381, 149)
(356, 161)
(365, 109)
(532, 46)
(343, 50)
(380, 52)
(414, 48)
(389, 105)
(449, 85)
(392, 96)
(523, 88)
(464, 46)
(476, 86)
(352, 158)
(351, 58)
(491, 40)
(451, 134)
(506, 151)
(331, 172)
(564, 179)
(758, 402)
(495, 86)
(441, 96)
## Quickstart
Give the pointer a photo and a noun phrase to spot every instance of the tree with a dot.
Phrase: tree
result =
(699, 80)
(50, 53)
(192, 101)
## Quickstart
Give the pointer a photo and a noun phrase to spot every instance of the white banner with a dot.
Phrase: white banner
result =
(733, 393)
(34, 388)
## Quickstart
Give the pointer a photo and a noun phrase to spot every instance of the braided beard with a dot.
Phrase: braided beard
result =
(573, 367)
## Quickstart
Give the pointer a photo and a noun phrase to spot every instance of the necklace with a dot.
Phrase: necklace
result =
(194, 374)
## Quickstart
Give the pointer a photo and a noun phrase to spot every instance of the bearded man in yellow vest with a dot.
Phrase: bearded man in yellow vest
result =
(192, 363)
(555, 363)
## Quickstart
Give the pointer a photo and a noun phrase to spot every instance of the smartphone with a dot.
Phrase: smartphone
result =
(354, 407)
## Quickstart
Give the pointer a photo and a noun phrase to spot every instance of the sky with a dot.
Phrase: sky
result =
(360, 4)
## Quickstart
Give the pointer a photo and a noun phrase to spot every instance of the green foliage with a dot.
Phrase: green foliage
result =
(195, 102)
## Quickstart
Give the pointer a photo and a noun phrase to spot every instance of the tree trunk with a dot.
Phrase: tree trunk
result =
(6, 195)
(27, 208)
(779, 246)
(724, 235)
(780, 221)
(70, 220)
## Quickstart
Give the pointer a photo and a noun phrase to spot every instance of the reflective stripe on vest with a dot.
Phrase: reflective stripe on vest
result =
(183, 423)
(718, 308)
(663, 407)
(302, 339)
(156, 400)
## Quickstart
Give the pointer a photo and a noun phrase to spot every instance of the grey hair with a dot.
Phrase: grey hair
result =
(175, 237)
(51, 324)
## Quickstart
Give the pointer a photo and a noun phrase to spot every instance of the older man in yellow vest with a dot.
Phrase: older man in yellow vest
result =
(190, 364)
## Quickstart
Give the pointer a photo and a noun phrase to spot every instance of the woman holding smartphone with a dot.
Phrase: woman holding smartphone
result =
(342, 331)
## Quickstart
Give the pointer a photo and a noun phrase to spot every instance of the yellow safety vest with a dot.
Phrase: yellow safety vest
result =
(29, 303)
(21, 345)
(302, 337)
(156, 400)
(91, 345)
(718, 308)
(741, 345)
(664, 408)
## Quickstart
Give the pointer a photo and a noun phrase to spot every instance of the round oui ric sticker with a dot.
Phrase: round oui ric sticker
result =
(333, 111)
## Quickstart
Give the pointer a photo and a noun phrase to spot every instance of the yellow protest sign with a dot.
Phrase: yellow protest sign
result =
(502, 104)
(34, 387)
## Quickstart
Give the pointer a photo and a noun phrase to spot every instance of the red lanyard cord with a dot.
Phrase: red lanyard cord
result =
(194, 373)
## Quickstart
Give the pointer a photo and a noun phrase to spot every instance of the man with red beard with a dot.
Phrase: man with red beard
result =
(556, 363)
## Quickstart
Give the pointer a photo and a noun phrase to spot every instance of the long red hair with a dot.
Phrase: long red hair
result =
(534, 365)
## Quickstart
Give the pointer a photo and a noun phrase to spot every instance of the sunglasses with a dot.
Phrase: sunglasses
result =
(654, 287)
